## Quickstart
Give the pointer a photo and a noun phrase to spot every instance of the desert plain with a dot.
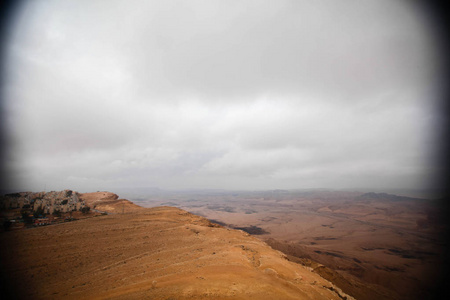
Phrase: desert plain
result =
(373, 245)
(318, 244)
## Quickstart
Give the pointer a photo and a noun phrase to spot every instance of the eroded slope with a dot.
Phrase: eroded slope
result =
(108, 202)
(157, 253)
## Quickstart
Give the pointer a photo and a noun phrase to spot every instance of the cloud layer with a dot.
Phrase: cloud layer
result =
(220, 94)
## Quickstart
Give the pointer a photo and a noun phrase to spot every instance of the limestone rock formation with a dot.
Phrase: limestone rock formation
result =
(108, 202)
(63, 201)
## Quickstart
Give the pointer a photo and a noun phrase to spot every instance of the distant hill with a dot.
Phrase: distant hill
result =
(385, 196)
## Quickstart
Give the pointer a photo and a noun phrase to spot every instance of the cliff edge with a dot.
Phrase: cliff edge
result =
(156, 253)
(108, 202)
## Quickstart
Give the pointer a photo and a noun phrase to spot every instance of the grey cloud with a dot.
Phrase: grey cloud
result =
(214, 94)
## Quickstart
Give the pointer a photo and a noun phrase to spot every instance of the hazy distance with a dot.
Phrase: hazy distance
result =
(101, 95)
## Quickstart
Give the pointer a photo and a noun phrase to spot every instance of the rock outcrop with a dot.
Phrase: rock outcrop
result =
(47, 202)
(109, 203)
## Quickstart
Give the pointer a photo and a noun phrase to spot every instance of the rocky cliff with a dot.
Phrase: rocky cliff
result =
(46, 202)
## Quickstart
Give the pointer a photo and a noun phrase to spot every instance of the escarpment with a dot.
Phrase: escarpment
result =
(160, 253)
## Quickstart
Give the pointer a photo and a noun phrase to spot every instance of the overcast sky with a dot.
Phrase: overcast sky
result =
(100, 95)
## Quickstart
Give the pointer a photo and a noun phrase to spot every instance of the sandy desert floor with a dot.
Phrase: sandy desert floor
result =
(377, 246)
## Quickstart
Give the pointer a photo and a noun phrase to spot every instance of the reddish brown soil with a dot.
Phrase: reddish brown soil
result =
(157, 253)
(375, 247)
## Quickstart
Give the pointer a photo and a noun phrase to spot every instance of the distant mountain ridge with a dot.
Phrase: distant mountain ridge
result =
(389, 197)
